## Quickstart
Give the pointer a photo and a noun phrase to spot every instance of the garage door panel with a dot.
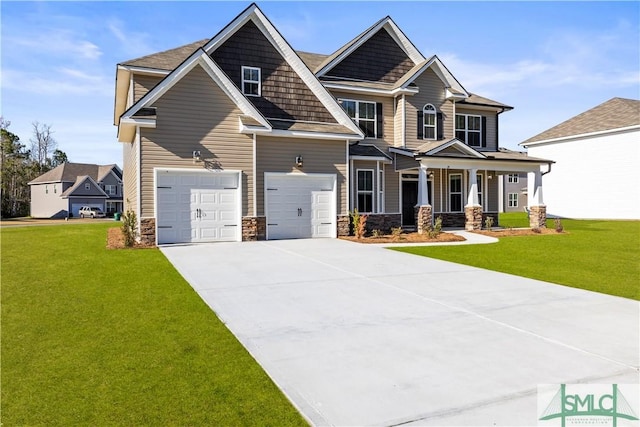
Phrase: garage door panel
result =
(300, 206)
(197, 207)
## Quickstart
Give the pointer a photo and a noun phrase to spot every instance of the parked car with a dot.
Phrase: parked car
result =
(88, 211)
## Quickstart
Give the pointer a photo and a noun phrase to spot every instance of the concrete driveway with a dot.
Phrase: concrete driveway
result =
(361, 335)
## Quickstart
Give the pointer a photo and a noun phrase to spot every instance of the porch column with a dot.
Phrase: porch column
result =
(473, 209)
(423, 210)
(537, 208)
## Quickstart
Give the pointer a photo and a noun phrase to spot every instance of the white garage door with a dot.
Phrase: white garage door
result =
(300, 206)
(196, 207)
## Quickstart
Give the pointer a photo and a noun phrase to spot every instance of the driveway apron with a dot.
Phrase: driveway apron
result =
(360, 335)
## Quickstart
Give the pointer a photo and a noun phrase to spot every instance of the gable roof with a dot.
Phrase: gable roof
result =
(443, 73)
(69, 172)
(168, 59)
(474, 99)
(78, 183)
(616, 113)
(385, 23)
(201, 57)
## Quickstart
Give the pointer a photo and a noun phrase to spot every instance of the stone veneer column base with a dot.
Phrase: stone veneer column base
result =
(148, 231)
(538, 216)
(254, 228)
(343, 225)
(473, 218)
(424, 218)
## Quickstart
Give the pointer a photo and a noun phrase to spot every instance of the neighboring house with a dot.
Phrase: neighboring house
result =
(512, 189)
(513, 192)
(597, 168)
(240, 137)
(62, 191)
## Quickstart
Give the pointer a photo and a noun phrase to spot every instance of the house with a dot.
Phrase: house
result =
(598, 162)
(512, 192)
(62, 191)
(512, 189)
(241, 137)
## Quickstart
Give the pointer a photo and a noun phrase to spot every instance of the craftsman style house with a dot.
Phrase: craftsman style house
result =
(240, 137)
(63, 190)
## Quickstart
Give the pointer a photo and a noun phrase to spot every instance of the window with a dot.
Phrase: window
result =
(55, 190)
(513, 200)
(364, 114)
(87, 186)
(251, 81)
(46, 189)
(469, 129)
(513, 178)
(455, 192)
(112, 207)
(480, 189)
(111, 189)
(365, 190)
(429, 118)
(380, 189)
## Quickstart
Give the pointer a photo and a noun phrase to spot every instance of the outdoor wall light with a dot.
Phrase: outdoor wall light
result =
(430, 175)
(299, 161)
(196, 156)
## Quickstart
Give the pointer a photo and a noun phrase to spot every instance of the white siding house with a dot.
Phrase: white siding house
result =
(597, 169)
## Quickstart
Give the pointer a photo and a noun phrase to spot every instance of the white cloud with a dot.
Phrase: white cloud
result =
(59, 42)
(131, 43)
(63, 82)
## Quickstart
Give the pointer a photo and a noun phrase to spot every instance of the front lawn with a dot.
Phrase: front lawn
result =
(601, 256)
(92, 336)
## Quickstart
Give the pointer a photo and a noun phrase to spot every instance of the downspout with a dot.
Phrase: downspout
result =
(549, 170)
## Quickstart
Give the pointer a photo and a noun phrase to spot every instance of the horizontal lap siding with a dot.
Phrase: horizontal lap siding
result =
(143, 84)
(195, 114)
(320, 156)
(492, 192)
(432, 91)
(391, 190)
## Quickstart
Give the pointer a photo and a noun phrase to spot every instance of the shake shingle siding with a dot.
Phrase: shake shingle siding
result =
(284, 93)
(379, 59)
(195, 114)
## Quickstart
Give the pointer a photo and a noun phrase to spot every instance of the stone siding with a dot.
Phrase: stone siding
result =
(473, 218)
(344, 225)
(383, 222)
(148, 231)
(424, 218)
(538, 217)
(254, 228)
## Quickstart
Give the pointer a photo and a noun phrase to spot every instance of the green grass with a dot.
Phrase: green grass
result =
(600, 256)
(92, 336)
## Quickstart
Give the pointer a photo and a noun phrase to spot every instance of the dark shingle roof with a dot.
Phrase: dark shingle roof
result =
(69, 172)
(474, 99)
(615, 113)
(168, 59)
(366, 151)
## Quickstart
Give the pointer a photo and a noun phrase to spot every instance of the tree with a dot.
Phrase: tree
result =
(17, 170)
(59, 157)
(42, 144)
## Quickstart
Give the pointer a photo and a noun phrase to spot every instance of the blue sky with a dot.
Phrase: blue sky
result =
(549, 60)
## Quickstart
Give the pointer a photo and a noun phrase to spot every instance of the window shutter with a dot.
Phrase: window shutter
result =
(440, 125)
(420, 125)
(483, 142)
(379, 120)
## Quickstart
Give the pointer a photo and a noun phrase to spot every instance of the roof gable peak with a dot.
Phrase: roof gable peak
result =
(386, 24)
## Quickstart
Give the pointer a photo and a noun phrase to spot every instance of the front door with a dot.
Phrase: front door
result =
(409, 201)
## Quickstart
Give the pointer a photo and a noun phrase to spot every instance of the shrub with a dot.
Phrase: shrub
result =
(396, 232)
(129, 227)
(377, 233)
(359, 224)
(488, 223)
(558, 224)
(434, 230)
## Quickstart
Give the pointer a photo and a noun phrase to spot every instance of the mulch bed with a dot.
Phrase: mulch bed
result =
(509, 232)
(407, 238)
(115, 240)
